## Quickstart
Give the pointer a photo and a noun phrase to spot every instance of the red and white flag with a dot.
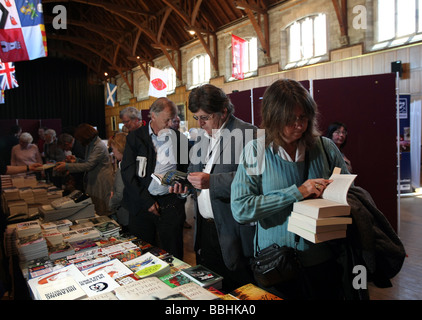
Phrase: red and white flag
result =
(22, 30)
(237, 57)
(158, 83)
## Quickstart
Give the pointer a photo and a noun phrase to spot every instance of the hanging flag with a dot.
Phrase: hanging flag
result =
(22, 31)
(158, 83)
(111, 94)
(237, 57)
(7, 76)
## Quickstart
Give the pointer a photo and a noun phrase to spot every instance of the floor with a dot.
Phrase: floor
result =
(407, 285)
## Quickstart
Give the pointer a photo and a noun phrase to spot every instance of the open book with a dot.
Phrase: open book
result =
(171, 177)
(333, 201)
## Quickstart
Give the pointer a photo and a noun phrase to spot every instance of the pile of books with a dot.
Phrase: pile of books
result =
(30, 243)
(325, 218)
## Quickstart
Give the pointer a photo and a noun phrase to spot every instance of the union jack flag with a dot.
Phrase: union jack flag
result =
(7, 76)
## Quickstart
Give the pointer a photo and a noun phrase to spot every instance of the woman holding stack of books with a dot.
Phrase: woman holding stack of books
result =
(286, 165)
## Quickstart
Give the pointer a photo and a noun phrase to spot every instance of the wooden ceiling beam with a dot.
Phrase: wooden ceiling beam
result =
(188, 20)
(80, 43)
(264, 37)
(341, 12)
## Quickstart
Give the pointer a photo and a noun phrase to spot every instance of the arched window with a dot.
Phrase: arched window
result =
(307, 40)
(200, 70)
(398, 22)
(171, 79)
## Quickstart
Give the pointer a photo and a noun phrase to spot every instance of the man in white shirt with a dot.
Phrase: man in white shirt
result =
(221, 244)
(155, 215)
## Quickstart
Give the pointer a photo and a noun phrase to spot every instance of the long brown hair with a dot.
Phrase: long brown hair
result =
(278, 104)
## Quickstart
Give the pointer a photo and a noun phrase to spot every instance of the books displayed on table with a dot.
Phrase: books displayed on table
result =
(148, 265)
(203, 276)
(325, 218)
(114, 268)
(252, 292)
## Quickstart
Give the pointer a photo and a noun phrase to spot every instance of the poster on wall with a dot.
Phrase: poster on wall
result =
(404, 116)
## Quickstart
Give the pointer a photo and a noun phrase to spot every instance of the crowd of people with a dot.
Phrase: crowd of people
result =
(235, 210)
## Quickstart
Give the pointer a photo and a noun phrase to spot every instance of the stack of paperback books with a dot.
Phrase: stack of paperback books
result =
(30, 242)
(325, 218)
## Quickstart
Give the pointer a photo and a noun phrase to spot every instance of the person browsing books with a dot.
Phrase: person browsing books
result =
(25, 152)
(155, 215)
(272, 175)
(116, 202)
(97, 168)
(337, 131)
(131, 118)
(221, 244)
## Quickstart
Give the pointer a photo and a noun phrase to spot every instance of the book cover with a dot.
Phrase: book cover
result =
(252, 292)
(174, 279)
(98, 283)
(114, 268)
(203, 276)
(148, 265)
(194, 291)
(103, 296)
(137, 289)
(36, 284)
(171, 177)
(63, 289)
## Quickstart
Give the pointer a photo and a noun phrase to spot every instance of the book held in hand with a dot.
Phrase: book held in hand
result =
(333, 201)
(326, 218)
(171, 177)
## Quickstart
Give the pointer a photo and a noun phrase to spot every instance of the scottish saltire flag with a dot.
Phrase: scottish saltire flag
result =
(158, 83)
(7, 76)
(111, 94)
(22, 31)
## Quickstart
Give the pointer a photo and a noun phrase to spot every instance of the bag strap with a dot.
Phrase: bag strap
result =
(305, 177)
(326, 154)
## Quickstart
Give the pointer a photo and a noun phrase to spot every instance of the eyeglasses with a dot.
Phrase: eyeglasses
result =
(344, 133)
(203, 118)
(126, 121)
(298, 120)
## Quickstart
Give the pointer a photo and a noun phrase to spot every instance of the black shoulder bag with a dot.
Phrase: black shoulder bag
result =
(274, 264)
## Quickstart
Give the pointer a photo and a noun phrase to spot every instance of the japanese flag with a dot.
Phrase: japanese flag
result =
(158, 83)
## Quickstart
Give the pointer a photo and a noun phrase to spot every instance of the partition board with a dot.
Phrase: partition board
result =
(367, 105)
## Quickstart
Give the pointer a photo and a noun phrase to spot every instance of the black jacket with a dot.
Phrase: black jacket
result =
(139, 143)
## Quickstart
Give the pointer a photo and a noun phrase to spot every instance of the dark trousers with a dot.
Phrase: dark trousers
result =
(211, 257)
(164, 231)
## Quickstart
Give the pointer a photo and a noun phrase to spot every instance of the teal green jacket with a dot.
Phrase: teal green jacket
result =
(266, 186)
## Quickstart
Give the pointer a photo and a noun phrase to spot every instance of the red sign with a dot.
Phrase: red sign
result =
(237, 57)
